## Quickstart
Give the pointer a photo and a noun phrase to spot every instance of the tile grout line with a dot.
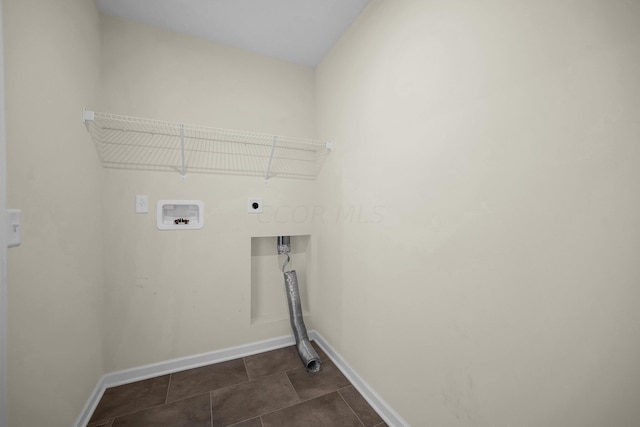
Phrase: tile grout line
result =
(211, 406)
(166, 396)
(349, 406)
(313, 397)
(157, 406)
(298, 394)
(320, 395)
(382, 423)
(292, 386)
(260, 379)
(244, 421)
(244, 363)
(379, 405)
(136, 411)
(236, 384)
(285, 407)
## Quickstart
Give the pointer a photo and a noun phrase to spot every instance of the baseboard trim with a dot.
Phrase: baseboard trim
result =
(140, 373)
(391, 417)
(175, 365)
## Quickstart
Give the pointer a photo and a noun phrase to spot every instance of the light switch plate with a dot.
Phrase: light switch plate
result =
(142, 204)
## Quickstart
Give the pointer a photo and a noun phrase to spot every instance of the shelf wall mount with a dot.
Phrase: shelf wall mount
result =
(125, 142)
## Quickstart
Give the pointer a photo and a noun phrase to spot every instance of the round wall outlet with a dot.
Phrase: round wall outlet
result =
(254, 205)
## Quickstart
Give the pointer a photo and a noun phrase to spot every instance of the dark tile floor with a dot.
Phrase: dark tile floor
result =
(270, 389)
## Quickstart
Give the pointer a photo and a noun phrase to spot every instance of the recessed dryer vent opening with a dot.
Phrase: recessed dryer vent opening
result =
(268, 298)
(307, 353)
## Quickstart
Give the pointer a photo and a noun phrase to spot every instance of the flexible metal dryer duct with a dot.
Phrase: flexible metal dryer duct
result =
(306, 351)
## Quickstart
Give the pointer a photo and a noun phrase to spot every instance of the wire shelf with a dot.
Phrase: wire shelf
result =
(125, 142)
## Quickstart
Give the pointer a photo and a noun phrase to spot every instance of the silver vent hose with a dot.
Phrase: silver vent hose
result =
(307, 353)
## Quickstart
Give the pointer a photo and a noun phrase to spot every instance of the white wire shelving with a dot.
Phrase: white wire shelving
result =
(125, 142)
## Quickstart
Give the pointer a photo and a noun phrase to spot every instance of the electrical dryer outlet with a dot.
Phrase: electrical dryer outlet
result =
(254, 205)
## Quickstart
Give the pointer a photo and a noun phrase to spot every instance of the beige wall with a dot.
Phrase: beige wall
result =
(95, 288)
(177, 293)
(55, 276)
(475, 233)
(157, 73)
(498, 143)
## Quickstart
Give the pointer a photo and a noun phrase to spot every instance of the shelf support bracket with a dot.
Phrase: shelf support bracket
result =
(273, 149)
(329, 145)
(88, 115)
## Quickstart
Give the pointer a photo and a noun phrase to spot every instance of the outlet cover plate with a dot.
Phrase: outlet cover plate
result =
(142, 204)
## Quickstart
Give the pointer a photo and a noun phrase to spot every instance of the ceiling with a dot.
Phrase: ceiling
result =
(299, 31)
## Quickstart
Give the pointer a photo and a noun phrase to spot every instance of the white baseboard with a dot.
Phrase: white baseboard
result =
(175, 365)
(387, 413)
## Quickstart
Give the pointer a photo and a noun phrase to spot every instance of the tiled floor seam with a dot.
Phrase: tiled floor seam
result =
(241, 422)
(349, 406)
(166, 396)
(291, 384)
(230, 385)
(259, 415)
(246, 369)
(308, 400)
(256, 416)
(297, 394)
(155, 406)
(299, 403)
(114, 417)
(315, 397)
(211, 407)
(108, 422)
(283, 408)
